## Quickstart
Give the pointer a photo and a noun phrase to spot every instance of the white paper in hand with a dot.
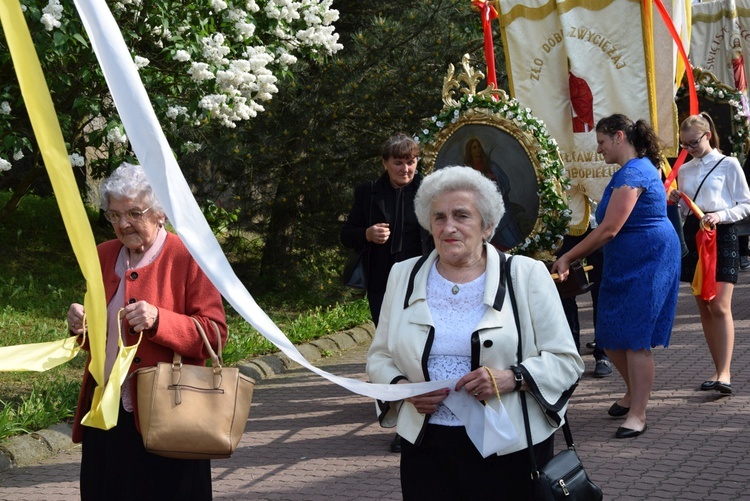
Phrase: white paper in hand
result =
(489, 431)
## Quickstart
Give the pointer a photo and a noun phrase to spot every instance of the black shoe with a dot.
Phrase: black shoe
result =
(591, 345)
(708, 385)
(396, 443)
(723, 388)
(603, 368)
(618, 410)
(744, 263)
(623, 432)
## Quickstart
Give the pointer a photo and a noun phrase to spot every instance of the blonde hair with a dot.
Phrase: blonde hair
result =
(702, 123)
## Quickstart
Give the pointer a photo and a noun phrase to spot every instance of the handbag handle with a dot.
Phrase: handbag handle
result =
(216, 361)
(519, 354)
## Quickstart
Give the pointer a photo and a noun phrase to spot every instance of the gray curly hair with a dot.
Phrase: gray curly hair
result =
(128, 181)
(488, 201)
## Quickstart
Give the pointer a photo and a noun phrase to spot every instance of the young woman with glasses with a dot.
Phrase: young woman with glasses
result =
(717, 185)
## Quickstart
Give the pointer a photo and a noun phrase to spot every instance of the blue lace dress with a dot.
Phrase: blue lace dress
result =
(640, 277)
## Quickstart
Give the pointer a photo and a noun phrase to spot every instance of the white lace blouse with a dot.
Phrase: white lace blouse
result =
(455, 318)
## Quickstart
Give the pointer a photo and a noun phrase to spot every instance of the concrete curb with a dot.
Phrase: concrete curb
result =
(24, 450)
(267, 366)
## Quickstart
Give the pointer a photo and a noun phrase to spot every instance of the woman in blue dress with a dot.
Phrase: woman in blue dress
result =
(640, 278)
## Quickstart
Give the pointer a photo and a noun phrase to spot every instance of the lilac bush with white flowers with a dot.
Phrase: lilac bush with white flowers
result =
(202, 62)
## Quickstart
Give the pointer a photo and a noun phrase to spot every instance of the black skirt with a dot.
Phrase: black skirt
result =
(447, 465)
(116, 466)
(727, 251)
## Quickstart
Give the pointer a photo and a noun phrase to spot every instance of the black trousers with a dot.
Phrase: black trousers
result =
(570, 305)
(446, 465)
(116, 466)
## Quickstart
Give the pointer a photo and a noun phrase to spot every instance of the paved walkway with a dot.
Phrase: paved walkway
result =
(308, 439)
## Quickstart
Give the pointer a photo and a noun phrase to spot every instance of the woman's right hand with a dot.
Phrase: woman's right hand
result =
(561, 267)
(75, 318)
(674, 196)
(378, 233)
(427, 403)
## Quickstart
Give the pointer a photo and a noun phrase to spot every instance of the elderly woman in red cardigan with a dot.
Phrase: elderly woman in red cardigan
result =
(149, 273)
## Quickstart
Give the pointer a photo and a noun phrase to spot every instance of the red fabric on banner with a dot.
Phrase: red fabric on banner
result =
(675, 168)
(704, 280)
(582, 102)
(488, 13)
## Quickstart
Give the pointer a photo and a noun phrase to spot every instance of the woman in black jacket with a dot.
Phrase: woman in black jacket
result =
(382, 217)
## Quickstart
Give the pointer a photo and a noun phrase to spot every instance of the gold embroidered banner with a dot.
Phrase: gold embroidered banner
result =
(575, 62)
(720, 39)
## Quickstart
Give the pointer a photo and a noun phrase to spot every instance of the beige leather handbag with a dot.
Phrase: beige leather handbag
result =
(190, 411)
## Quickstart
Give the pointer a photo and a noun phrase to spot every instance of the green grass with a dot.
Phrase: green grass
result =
(40, 278)
(312, 324)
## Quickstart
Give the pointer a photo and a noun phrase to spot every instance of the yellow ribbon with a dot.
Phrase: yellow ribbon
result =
(43, 356)
(107, 399)
(37, 357)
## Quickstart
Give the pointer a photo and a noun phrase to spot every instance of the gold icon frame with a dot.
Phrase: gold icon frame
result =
(523, 146)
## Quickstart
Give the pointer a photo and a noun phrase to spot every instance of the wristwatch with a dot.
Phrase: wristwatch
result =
(518, 376)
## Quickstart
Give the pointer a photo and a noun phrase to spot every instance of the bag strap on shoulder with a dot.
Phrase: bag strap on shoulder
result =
(706, 177)
(519, 354)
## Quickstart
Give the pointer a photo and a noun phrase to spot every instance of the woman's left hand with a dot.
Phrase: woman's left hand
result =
(710, 219)
(141, 315)
(479, 384)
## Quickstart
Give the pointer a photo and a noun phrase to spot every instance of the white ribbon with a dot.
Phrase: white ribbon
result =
(490, 434)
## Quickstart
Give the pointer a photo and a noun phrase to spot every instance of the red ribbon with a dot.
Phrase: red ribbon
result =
(693, 96)
(704, 281)
(488, 13)
(704, 278)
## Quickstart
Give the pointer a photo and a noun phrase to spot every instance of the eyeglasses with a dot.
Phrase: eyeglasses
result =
(694, 143)
(132, 215)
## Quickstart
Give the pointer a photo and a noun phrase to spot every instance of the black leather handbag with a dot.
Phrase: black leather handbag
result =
(356, 268)
(563, 477)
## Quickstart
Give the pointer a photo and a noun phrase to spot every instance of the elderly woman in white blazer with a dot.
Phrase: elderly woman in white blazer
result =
(448, 315)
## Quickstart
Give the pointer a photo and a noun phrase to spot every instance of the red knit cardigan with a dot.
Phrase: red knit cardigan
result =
(176, 285)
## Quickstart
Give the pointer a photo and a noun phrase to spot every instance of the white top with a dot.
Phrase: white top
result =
(725, 191)
(456, 318)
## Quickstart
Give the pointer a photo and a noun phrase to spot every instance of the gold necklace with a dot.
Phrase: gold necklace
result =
(455, 287)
